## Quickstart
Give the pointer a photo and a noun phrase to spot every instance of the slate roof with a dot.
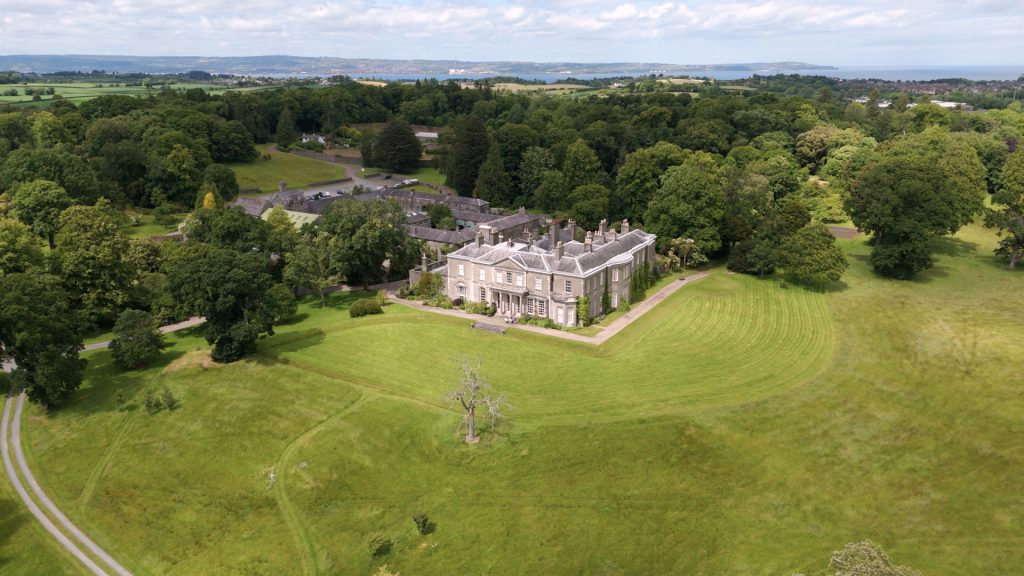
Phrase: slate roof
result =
(443, 236)
(574, 260)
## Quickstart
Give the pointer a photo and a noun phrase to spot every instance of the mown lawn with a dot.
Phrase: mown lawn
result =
(739, 428)
(297, 171)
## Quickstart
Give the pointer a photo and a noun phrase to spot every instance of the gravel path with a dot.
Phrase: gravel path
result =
(10, 436)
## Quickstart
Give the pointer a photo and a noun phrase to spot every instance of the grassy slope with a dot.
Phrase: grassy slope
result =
(718, 434)
(296, 170)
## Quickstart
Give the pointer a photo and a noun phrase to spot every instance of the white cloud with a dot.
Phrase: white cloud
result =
(687, 31)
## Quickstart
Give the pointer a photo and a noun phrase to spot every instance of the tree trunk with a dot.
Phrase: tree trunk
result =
(1014, 257)
(323, 299)
(471, 425)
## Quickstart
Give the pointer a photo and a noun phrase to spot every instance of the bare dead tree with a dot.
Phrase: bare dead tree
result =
(474, 391)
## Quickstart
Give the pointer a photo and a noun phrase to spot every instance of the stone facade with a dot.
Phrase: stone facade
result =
(547, 278)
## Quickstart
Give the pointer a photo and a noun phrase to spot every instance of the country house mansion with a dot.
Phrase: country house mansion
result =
(547, 277)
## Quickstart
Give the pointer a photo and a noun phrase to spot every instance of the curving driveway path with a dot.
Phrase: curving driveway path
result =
(53, 520)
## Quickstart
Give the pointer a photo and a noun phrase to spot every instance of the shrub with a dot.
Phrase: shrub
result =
(458, 303)
(382, 297)
(137, 340)
(151, 402)
(379, 545)
(482, 308)
(364, 307)
(170, 402)
(422, 522)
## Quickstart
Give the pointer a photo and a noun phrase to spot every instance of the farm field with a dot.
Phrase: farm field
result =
(297, 171)
(78, 92)
(739, 428)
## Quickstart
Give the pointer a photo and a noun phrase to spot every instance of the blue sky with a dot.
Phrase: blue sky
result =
(844, 33)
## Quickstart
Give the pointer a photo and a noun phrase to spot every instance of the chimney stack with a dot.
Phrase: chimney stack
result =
(558, 251)
(571, 228)
(529, 239)
(479, 238)
(588, 243)
(613, 234)
(602, 228)
(510, 242)
(282, 186)
(625, 226)
(501, 238)
(555, 224)
(423, 263)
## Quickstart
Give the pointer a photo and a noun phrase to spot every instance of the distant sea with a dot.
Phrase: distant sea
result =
(849, 73)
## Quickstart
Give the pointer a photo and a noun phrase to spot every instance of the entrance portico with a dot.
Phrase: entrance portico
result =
(509, 301)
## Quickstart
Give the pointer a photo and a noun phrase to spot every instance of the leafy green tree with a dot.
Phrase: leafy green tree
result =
(39, 204)
(468, 152)
(492, 182)
(811, 258)
(143, 255)
(285, 133)
(690, 204)
(137, 340)
(229, 228)
(397, 148)
(639, 177)
(904, 203)
(781, 174)
(40, 330)
(1007, 214)
(581, 165)
(367, 235)
(281, 234)
(553, 191)
(229, 288)
(224, 179)
(588, 205)
(55, 165)
(19, 248)
(512, 141)
(535, 162)
(441, 216)
(313, 265)
(91, 257)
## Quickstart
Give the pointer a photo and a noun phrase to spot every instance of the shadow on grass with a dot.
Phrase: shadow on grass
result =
(12, 518)
(112, 389)
(344, 300)
(950, 246)
(271, 349)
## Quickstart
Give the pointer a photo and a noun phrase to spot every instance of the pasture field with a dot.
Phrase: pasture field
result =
(741, 427)
(541, 88)
(297, 171)
(81, 91)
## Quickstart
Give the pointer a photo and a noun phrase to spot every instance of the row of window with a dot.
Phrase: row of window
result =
(519, 279)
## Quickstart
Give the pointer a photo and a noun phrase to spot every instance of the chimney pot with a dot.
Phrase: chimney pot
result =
(603, 226)
(559, 250)
(554, 232)
(625, 226)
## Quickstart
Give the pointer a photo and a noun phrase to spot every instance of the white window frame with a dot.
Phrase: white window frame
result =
(460, 289)
(483, 274)
(542, 308)
(560, 315)
(508, 277)
(615, 275)
(538, 283)
(615, 300)
(529, 306)
(568, 286)
(520, 280)
(497, 276)
(483, 294)
(462, 269)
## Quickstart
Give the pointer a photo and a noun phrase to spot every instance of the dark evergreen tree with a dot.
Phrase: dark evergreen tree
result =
(492, 182)
(468, 152)
(397, 148)
(286, 135)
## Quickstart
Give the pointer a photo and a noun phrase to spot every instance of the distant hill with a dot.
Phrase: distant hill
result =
(326, 66)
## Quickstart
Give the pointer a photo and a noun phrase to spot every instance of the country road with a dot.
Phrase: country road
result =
(63, 530)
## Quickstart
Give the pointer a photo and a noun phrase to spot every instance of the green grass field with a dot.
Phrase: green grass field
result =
(81, 91)
(431, 175)
(297, 171)
(739, 428)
